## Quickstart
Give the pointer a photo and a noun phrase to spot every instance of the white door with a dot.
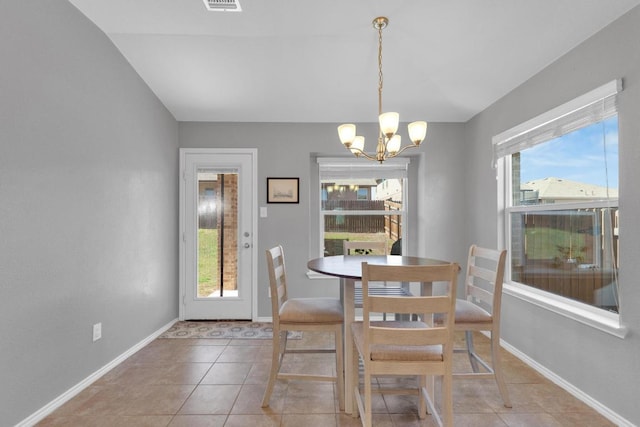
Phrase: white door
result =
(218, 198)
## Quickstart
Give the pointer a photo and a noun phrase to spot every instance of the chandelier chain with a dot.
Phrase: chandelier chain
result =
(380, 80)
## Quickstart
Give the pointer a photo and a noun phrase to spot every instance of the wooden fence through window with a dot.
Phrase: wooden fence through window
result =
(389, 224)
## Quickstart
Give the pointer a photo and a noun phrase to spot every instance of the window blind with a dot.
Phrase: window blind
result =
(592, 107)
(351, 168)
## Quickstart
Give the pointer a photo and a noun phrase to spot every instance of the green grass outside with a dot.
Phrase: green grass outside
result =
(208, 280)
(554, 244)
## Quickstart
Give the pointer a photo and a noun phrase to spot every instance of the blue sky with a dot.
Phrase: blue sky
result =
(577, 156)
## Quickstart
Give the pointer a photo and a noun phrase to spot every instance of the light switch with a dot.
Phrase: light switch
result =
(263, 211)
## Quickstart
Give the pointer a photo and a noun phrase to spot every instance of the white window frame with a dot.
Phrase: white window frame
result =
(354, 167)
(595, 317)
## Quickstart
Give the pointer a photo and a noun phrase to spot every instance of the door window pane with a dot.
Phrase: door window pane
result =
(217, 234)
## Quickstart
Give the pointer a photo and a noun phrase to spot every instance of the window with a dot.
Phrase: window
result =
(362, 201)
(559, 195)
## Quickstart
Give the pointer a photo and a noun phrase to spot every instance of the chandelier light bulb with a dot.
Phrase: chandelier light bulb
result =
(389, 123)
(347, 133)
(417, 132)
(357, 146)
(393, 146)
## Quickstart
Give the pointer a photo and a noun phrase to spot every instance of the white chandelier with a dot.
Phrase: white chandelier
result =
(389, 142)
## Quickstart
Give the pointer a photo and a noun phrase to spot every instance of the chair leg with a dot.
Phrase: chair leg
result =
(283, 344)
(355, 380)
(447, 399)
(471, 351)
(367, 416)
(339, 366)
(497, 371)
(277, 354)
(422, 403)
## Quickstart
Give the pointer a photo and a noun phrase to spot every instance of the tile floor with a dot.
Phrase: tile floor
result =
(215, 383)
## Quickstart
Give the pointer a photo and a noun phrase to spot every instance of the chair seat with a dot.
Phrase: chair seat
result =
(398, 352)
(312, 310)
(468, 312)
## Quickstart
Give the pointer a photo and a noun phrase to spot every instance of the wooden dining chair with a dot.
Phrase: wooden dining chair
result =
(405, 348)
(479, 311)
(301, 314)
(379, 247)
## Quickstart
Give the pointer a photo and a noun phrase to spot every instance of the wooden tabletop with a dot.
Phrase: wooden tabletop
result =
(350, 267)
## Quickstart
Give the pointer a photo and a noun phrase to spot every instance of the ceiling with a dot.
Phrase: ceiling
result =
(302, 61)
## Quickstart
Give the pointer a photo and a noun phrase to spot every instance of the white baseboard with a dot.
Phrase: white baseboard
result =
(73, 391)
(570, 388)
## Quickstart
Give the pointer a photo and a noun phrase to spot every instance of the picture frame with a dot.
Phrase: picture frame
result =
(283, 190)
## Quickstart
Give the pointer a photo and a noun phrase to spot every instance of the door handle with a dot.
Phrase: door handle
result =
(247, 245)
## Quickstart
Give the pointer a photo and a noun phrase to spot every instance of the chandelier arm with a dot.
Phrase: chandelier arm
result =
(386, 156)
(390, 156)
(362, 153)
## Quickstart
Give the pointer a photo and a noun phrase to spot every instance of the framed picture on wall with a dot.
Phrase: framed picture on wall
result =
(283, 190)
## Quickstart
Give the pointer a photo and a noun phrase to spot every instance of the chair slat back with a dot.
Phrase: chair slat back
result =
(484, 278)
(483, 273)
(277, 279)
(482, 295)
(403, 305)
(409, 333)
(409, 336)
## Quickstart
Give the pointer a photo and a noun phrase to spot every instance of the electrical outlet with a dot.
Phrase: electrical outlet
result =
(97, 331)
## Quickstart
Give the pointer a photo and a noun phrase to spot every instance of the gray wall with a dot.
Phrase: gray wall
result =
(605, 367)
(289, 150)
(88, 204)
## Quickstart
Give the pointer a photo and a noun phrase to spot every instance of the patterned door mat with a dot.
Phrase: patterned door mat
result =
(224, 329)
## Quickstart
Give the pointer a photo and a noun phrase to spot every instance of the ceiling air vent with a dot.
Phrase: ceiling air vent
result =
(223, 5)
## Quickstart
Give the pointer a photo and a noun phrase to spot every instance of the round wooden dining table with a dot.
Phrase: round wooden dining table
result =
(349, 270)
(350, 267)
